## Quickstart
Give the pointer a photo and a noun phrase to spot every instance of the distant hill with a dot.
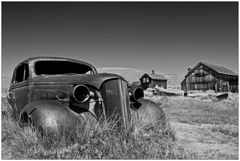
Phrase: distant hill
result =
(174, 80)
(129, 74)
(5, 82)
(132, 75)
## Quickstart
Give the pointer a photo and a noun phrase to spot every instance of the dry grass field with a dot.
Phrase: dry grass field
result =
(143, 141)
(203, 129)
(203, 126)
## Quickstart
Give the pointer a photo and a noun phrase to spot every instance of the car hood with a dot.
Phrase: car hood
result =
(95, 80)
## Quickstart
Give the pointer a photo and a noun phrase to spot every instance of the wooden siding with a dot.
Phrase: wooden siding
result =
(153, 83)
(203, 78)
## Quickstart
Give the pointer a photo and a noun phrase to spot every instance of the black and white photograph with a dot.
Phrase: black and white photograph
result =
(120, 80)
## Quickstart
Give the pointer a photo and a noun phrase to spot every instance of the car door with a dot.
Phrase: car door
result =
(18, 92)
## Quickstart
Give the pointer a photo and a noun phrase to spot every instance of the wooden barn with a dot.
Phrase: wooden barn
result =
(152, 80)
(205, 76)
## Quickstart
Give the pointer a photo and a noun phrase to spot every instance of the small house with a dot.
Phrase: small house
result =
(152, 80)
(205, 76)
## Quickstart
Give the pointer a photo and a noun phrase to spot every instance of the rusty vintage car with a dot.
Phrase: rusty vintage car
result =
(54, 94)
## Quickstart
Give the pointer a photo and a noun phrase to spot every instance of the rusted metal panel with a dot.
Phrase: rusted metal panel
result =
(49, 99)
(95, 80)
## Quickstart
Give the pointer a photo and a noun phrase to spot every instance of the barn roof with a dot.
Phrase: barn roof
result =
(220, 69)
(155, 76)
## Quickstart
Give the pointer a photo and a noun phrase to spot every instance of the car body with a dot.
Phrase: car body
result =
(55, 94)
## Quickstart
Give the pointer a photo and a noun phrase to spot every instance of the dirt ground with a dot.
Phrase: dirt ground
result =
(205, 127)
(200, 139)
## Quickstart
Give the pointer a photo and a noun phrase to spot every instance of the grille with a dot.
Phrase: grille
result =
(116, 100)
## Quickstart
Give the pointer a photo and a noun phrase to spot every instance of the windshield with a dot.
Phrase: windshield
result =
(61, 67)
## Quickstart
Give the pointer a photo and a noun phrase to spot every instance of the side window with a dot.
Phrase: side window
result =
(89, 72)
(26, 72)
(22, 73)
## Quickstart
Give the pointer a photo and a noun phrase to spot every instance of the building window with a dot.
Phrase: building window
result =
(145, 80)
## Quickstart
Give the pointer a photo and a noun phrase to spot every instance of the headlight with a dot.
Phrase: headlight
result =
(136, 94)
(81, 93)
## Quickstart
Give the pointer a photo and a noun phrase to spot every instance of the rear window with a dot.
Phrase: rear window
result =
(61, 67)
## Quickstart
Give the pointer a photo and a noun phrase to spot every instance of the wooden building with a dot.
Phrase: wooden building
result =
(205, 76)
(153, 80)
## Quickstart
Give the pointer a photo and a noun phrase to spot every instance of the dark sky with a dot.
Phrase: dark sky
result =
(167, 37)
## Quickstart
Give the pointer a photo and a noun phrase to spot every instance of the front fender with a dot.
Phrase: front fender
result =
(150, 111)
(51, 116)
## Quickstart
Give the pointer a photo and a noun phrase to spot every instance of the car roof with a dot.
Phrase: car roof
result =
(33, 59)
